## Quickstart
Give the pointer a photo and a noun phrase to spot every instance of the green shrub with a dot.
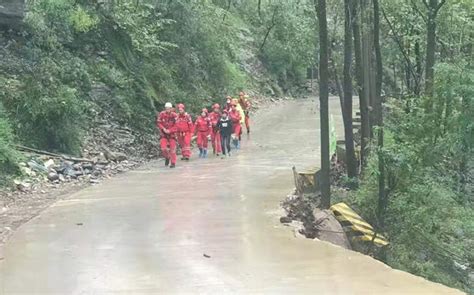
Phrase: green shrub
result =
(429, 218)
(8, 154)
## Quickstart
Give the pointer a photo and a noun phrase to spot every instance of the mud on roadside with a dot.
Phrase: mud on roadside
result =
(304, 215)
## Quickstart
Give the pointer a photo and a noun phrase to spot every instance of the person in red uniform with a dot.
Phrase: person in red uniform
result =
(215, 134)
(228, 103)
(185, 128)
(245, 104)
(203, 128)
(166, 124)
(235, 117)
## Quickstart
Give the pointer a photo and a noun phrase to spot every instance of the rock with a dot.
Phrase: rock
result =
(329, 229)
(94, 181)
(88, 166)
(28, 171)
(48, 164)
(341, 153)
(285, 219)
(63, 167)
(23, 186)
(115, 156)
(102, 158)
(62, 178)
(12, 12)
(35, 166)
(52, 176)
(120, 156)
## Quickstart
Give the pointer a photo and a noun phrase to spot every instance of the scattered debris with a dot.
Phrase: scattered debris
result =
(79, 224)
(205, 255)
(285, 219)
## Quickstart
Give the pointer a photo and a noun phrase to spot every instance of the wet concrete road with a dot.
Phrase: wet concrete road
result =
(146, 232)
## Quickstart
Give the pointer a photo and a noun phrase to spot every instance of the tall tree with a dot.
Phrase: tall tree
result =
(433, 7)
(361, 90)
(324, 102)
(382, 202)
(351, 162)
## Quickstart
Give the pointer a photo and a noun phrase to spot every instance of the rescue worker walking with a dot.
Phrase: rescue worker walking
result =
(215, 134)
(245, 104)
(185, 128)
(203, 128)
(236, 118)
(228, 103)
(225, 129)
(166, 124)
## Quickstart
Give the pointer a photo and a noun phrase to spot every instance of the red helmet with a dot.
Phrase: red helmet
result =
(181, 106)
(216, 106)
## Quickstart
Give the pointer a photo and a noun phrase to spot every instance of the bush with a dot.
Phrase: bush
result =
(8, 154)
(429, 218)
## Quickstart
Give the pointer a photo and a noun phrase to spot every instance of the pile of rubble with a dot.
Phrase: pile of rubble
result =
(303, 214)
(44, 170)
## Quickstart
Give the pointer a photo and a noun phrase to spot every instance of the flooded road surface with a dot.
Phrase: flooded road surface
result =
(149, 231)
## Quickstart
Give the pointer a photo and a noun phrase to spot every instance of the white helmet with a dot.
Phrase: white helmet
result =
(168, 105)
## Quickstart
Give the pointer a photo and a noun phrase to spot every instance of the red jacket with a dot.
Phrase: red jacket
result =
(235, 116)
(184, 123)
(203, 124)
(167, 121)
(215, 117)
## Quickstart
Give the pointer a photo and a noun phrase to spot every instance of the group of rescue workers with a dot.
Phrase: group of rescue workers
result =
(222, 126)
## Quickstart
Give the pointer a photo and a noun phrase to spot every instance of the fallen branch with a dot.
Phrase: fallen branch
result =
(59, 156)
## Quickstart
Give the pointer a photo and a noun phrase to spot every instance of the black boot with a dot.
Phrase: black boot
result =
(172, 166)
(167, 162)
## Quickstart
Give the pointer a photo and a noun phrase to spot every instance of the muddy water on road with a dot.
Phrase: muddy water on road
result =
(150, 230)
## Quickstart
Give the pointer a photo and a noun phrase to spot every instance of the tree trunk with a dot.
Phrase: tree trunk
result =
(360, 83)
(419, 69)
(366, 70)
(338, 89)
(324, 98)
(269, 29)
(433, 8)
(430, 50)
(367, 62)
(351, 162)
(228, 8)
(259, 6)
(465, 147)
(378, 60)
(382, 202)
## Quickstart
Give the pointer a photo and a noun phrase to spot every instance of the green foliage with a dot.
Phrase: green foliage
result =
(8, 155)
(82, 21)
(143, 24)
(428, 158)
(290, 47)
